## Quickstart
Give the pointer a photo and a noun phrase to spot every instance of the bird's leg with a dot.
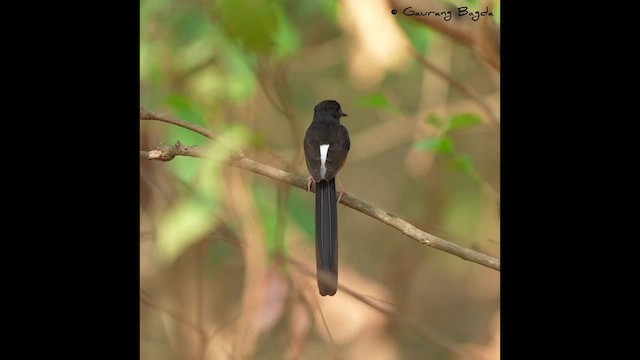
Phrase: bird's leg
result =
(309, 181)
(342, 190)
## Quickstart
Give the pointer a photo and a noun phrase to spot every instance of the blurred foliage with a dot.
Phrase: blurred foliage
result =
(444, 143)
(252, 71)
(379, 101)
(266, 199)
(253, 23)
(299, 206)
(188, 220)
(419, 35)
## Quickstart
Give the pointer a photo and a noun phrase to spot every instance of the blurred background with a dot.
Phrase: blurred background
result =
(227, 256)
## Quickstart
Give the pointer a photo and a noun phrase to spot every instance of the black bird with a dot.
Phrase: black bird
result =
(326, 145)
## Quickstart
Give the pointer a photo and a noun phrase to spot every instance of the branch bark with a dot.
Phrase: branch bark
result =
(152, 115)
(167, 153)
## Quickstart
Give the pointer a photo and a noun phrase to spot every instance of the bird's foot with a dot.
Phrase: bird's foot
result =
(309, 181)
(342, 190)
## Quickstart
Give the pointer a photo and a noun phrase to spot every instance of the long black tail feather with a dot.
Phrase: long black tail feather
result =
(327, 237)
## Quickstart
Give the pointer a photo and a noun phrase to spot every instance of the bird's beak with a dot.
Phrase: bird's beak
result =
(343, 113)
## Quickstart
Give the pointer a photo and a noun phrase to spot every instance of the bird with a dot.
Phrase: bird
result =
(326, 145)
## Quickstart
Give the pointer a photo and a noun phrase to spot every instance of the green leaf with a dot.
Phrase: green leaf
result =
(190, 25)
(446, 145)
(287, 37)
(434, 120)
(185, 109)
(442, 145)
(240, 82)
(378, 100)
(429, 144)
(462, 121)
(465, 163)
(254, 23)
(185, 168)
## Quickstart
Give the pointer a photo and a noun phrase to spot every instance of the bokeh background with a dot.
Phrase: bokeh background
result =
(227, 257)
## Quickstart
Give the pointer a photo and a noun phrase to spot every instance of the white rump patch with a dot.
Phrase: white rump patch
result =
(324, 149)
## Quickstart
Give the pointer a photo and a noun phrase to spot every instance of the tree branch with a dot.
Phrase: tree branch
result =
(467, 91)
(152, 115)
(167, 153)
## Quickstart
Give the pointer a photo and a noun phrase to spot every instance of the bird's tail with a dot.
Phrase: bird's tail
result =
(327, 237)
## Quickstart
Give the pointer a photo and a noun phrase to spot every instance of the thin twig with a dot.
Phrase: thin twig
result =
(196, 69)
(146, 114)
(281, 101)
(152, 115)
(418, 329)
(198, 328)
(467, 91)
(165, 153)
(173, 315)
(334, 348)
